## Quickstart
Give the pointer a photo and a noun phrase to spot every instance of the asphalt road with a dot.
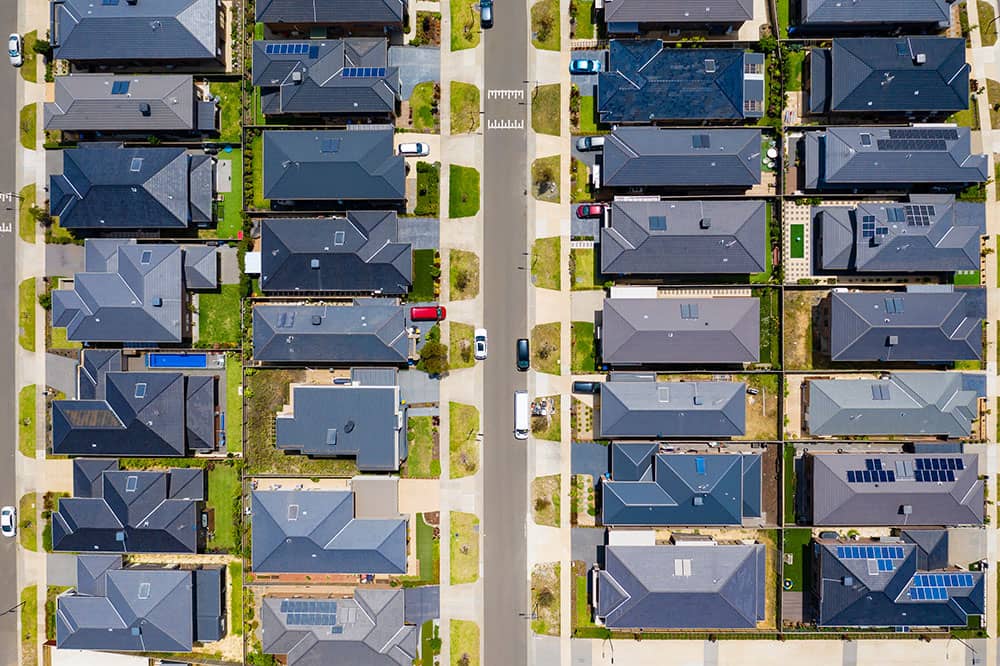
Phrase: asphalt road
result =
(505, 291)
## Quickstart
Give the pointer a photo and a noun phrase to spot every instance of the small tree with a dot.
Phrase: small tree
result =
(545, 597)
(433, 358)
(464, 660)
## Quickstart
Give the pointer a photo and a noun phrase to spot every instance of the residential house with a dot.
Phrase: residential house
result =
(358, 252)
(869, 15)
(316, 18)
(107, 186)
(717, 330)
(684, 236)
(210, 603)
(648, 82)
(892, 75)
(631, 17)
(906, 581)
(650, 487)
(651, 409)
(333, 165)
(923, 324)
(897, 489)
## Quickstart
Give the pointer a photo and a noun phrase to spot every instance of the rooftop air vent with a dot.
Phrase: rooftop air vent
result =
(893, 340)
(157, 302)
(145, 110)
(706, 223)
(349, 426)
(132, 2)
(297, 76)
(699, 500)
(907, 509)
(848, 581)
(709, 66)
(317, 320)
(314, 263)
(920, 59)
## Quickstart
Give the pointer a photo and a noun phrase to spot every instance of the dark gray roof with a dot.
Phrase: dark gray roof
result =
(646, 82)
(354, 253)
(945, 240)
(368, 332)
(917, 325)
(653, 157)
(682, 587)
(907, 403)
(840, 496)
(673, 409)
(209, 603)
(199, 412)
(887, 13)
(131, 512)
(135, 610)
(107, 186)
(368, 629)
(160, 30)
(88, 475)
(853, 157)
(333, 164)
(694, 237)
(201, 267)
(678, 11)
(322, 77)
(370, 12)
(315, 531)
(658, 331)
(94, 365)
(896, 75)
(653, 488)
(855, 592)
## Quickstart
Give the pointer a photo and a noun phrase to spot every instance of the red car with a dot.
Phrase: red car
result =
(428, 313)
(589, 210)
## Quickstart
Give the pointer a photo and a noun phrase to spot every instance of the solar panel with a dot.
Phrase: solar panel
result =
(657, 222)
(313, 52)
(924, 133)
(109, 2)
(916, 145)
(866, 139)
(329, 145)
(880, 391)
(120, 87)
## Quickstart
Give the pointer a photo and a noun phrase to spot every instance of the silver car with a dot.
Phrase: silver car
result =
(8, 521)
(479, 344)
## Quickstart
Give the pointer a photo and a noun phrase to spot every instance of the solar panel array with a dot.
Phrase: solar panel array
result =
(362, 72)
(894, 305)
(927, 594)
(119, 87)
(943, 580)
(934, 476)
(310, 619)
(916, 145)
(895, 214)
(870, 552)
(871, 476)
(919, 215)
(921, 133)
(308, 606)
(940, 463)
(286, 49)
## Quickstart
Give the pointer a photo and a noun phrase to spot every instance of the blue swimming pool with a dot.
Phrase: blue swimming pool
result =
(160, 360)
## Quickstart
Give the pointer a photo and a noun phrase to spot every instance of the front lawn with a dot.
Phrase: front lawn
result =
(29, 620)
(545, 178)
(583, 268)
(545, 23)
(423, 106)
(27, 516)
(422, 458)
(798, 242)
(464, 108)
(545, 500)
(582, 12)
(460, 346)
(545, 346)
(230, 110)
(234, 403)
(545, 109)
(224, 492)
(463, 436)
(219, 316)
(967, 117)
(986, 16)
(426, 273)
(463, 195)
(428, 555)
(545, 598)
(549, 426)
(464, 25)
(26, 296)
(25, 220)
(231, 223)
(29, 68)
(463, 275)
(588, 115)
(51, 606)
(428, 189)
(967, 278)
(26, 404)
(29, 123)
(579, 182)
(545, 253)
(464, 548)
(584, 361)
(464, 643)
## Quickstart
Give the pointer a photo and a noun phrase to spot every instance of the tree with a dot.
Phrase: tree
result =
(464, 660)
(768, 44)
(433, 358)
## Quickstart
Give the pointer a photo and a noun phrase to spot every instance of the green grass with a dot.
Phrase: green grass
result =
(545, 254)
(425, 119)
(796, 543)
(236, 602)
(793, 70)
(232, 202)
(579, 182)
(464, 551)
(966, 278)
(782, 6)
(428, 554)
(460, 345)
(986, 16)
(464, 108)
(430, 644)
(257, 146)
(230, 110)
(27, 517)
(545, 348)
(463, 195)
(463, 439)
(464, 25)
(463, 278)
(788, 467)
(545, 579)
(51, 592)
(29, 620)
(967, 117)
(223, 489)
(425, 272)
(546, 499)
(545, 22)
(29, 126)
(57, 234)
(993, 99)
(422, 459)
(464, 643)
(545, 108)
(770, 326)
(219, 316)
(798, 241)
(765, 276)
(26, 405)
(29, 69)
(26, 314)
(545, 178)
(234, 404)
(583, 268)
(428, 189)
(588, 116)
(25, 221)
(581, 613)
(583, 16)
(583, 347)
(549, 427)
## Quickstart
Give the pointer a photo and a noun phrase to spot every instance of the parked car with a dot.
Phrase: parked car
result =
(584, 66)
(586, 143)
(8, 521)
(586, 211)
(15, 49)
(587, 387)
(523, 354)
(752, 391)
(417, 149)
(428, 313)
(479, 344)
(486, 13)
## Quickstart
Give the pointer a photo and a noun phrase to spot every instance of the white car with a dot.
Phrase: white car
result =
(414, 149)
(15, 50)
(8, 521)
(479, 344)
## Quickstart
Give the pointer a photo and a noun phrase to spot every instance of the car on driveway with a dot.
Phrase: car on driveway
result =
(414, 149)
(588, 143)
(591, 388)
(486, 13)
(15, 49)
(587, 211)
(8, 521)
(428, 313)
(479, 344)
(584, 66)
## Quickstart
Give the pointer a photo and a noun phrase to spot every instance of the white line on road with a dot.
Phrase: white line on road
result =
(505, 124)
(494, 93)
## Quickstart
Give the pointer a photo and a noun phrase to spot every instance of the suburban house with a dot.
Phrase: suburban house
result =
(341, 165)
(924, 324)
(139, 609)
(134, 292)
(656, 158)
(364, 420)
(928, 404)
(648, 82)
(651, 409)
(358, 252)
(316, 18)
(631, 17)
(892, 75)
(930, 233)
(130, 104)
(323, 531)
(694, 584)
(684, 236)
(904, 581)
(651, 487)
(366, 332)
(343, 77)
(110, 187)
(899, 489)
(139, 32)
(868, 15)
(122, 511)
(852, 158)
(717, 330)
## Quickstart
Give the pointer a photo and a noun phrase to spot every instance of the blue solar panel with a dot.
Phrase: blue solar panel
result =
(850, 476)
(313, 52)
(119, 87)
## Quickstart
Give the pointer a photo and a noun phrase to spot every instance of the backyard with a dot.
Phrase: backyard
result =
(788, 471)
(428, 190)
(762, 408)
(770, 326)
(231, 223)
(545, 253)
(797, 240)
(796, 544)
(463, 269)
(545, 109)
(793, 69)
(582, 334)
(219, 317)
(422, 462)
(464, 108)
(545, 346)
(545, 500)
(463, 194)
(463, 438)
(224, 494)
(230, 111)
(464, 547)
(797, 313)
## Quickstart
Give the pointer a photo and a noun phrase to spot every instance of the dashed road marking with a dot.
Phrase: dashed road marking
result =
(505, 124)
(495, 93)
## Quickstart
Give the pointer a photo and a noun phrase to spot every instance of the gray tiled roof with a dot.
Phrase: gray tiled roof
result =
(672, 409)
(146, 31)
(658, 331)
(209, 603)
(332, 164)
(917, 325)
(947, 242)
(682, 587)
(371, 12)
(315, 531)
(678, 11)
(700, 237)
(907, 403)
(316, 81)
(653, 157)
(354, 253)
(94, 365)
(837, 500)
(887, 13)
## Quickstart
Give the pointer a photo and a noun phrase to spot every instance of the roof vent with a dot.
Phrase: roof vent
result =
(349, 426)
(136, 630)
(144, 109)
(920, 59)
(143, 594)
(331, 437)
(317, 320)
(699, 500)
(709, 66)
(157, 302)
(698, 400)
(848, 581)
(907, 509)
(314, 263)
(132, 2)
(119, 536)
(706, 223)
(893, 340)
(297, 76)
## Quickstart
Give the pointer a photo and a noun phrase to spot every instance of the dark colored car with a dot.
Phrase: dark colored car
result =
(523, 354)
(587, 211)
(486, 13)
(587, 387)
(428, 313)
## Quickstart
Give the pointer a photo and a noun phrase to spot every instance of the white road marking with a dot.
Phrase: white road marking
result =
(505, 124)
(494, 93)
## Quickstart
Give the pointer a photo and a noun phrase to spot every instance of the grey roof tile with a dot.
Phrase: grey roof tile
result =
(370, 12)
(886, 13)
(678, 12)
(672, 409)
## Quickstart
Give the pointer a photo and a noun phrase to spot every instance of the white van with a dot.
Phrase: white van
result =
(521, 416)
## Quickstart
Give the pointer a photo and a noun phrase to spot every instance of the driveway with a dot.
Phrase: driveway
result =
(60, 374)
(416, 387)
(416, 65)
(588, 82)
(424, 233)
(590, 458)
(585, 542)
(229, 272)
(60, 569)
(63, 260)
(583, 226)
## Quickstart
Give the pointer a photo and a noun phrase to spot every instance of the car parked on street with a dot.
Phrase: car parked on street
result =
(486, 13)
(8, 521)
(417, 149)
(587, 211)
(584, 66)
(15, 49)
(428, 313)
(479, 344)
(523, 352)
(588, 143)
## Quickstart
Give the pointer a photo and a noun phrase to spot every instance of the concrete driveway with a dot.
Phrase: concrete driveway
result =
(416, 387)
(63, 260)
(424, 233)
(587, 83)
(60, 374)
(584, 226)
(417, 64)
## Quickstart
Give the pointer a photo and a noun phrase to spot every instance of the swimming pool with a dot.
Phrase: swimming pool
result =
(159, 360)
